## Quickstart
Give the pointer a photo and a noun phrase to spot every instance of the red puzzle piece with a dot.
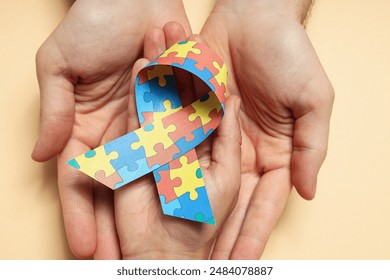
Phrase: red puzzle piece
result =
(170, 59)
(143, 77)
(160, 158)
(191, 157)
(216, 118)
(183, 125)
(148, 117)
(220, 90)
(204, 60)
(166, 186)
(110, 181)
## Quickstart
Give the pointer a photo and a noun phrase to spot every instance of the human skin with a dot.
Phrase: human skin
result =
(287, 101)
(83, 71)
(144, 232)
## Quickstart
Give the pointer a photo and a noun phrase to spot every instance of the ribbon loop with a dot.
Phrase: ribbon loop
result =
(165, 143)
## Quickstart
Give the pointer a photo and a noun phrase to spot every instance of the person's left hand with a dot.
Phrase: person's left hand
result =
(144, 231)
(286, 106)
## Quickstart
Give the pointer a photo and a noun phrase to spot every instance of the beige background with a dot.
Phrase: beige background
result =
(349, 219)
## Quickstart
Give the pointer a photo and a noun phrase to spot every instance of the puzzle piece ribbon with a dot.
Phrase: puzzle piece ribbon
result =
(165, 143)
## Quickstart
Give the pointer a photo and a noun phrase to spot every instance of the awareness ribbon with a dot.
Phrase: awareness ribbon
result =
(165, 143)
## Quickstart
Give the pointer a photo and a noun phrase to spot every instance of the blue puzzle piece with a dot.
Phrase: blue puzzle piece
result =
(185, 146)
(126, 155)
(157, 176)
(169, 208)
(131, 175)
(195, 209)
(223, 108)
(159, 94)
(142, 105)
(189, 65)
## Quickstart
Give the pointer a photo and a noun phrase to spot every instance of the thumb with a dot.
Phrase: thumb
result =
(57, 107)
(226, 150)
(311, 132)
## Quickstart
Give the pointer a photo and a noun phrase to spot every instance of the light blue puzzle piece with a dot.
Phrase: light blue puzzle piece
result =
(169, 208)
(185, 146)
(157, 176)
(126, 155)
(159, 94)
(129, 176)
(142, 105)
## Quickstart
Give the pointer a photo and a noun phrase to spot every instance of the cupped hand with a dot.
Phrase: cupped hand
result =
(144, 231)
(83, 70)
(286, 106)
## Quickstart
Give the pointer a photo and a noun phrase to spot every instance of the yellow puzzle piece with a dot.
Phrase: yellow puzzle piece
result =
(191, 178)
(96, 160)
(182, 50)
(202, 108)
(221, 77)
(150, 133)
(160, 73)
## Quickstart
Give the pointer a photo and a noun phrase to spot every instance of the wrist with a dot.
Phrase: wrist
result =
(291, 9)
(168, 255)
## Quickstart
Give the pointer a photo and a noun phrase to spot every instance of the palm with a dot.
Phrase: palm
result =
(84, 74)
(269, 80)
(99, 52)
(145, 232)
(274, 69)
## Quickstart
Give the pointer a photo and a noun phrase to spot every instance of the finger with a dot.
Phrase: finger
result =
(107, 238)
(226, 169)
(225, 166)
(76, 193)
(311, 131)
(226, 239)
(197, 38)
(154, 43)
(264, 210)
(57, 109)
(133, 122)
(200, 87)
(228, 138)
(174, 32)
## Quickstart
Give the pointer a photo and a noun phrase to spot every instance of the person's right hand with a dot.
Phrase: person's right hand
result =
(83, 70)
(144, 231)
